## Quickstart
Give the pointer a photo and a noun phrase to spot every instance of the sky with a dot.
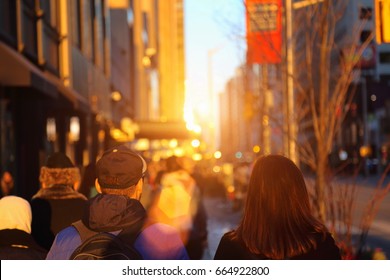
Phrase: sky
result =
(212, 25)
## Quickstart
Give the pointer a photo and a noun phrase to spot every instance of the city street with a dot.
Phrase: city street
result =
(221, 218)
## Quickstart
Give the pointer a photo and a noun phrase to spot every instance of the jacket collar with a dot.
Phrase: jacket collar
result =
(58, 192)
(114, 212)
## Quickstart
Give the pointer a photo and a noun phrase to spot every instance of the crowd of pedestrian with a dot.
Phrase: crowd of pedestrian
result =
(125, 207)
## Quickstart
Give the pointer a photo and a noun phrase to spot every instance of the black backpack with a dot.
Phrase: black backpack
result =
(104, 245)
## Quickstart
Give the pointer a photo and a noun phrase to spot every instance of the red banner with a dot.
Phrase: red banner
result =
(264, 31)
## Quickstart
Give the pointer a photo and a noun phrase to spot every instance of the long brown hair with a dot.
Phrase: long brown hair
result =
(277, 221)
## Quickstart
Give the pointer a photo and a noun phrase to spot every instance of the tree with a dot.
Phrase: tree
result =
(326, 50)
(329, 58)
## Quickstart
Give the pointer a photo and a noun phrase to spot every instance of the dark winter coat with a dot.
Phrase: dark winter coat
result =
(19, 245)
(114, 213)
(229, 249)
(53, 209)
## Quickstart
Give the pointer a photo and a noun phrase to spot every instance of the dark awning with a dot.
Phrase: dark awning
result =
(17, 71)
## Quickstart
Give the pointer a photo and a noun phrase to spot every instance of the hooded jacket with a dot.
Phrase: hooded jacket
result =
(16, 243)
(113, 213)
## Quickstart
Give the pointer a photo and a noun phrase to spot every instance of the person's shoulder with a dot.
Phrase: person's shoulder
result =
(326, 249)
(228, 236)
(67, 236)
(65, 242)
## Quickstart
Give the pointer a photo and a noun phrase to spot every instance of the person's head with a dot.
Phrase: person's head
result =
(15, 213)
(277, 221)
(120, 171)
(59, 170)
(173, 164)
(7, 183)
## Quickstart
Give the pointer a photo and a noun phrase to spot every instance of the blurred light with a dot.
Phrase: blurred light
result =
(256, 149)
(216, 169)
(195, 143)
(101, 135)
(373, 97)
(265, 120)
(118, 135)
(116, 96)
(179, 152)
(365, 151)
(146, 61)
(173, 143)
(150, 52)
(230, 189)
(74, 134)
(343, 155)
(130, 127)
(168, 153)
(197, 157)
(51, 129)
(156, 145)
(197, 129)
(194, 127)
(238, 155)
(164, 143)
(142, 144)
(217, 154)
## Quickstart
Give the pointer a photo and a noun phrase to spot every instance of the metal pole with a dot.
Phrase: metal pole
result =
(265, 117)
(292, 130)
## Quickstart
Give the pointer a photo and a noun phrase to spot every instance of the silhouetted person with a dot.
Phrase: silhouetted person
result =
(16, 243)
(120, 178)
(277, 222)
(56, 205)
(180, 205)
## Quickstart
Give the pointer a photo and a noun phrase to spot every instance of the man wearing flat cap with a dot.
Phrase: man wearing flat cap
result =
(117, 208)
(57, 204)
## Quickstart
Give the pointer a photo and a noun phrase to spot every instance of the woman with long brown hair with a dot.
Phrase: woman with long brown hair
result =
(277, 222)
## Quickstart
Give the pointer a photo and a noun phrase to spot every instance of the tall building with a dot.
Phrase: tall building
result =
(171, 59)
(367, 123)
(54, 84)
(158, 66)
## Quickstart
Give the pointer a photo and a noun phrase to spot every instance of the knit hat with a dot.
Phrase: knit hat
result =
(15, 213)
(59, 170)
(120, 168)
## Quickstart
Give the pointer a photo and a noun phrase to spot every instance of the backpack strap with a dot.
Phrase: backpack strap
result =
(83, 231)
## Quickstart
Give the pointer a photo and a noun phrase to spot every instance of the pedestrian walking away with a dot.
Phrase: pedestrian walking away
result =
(277, 222)
(16, 242)
(179, 204)
(57, 204)
(117, 210)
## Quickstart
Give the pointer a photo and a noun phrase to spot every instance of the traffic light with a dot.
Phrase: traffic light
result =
(382, 21)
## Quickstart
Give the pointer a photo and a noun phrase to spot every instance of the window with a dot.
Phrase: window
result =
(50, 35)
(76, 24)
(8, 20)
(365, 13)
(384, 57)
